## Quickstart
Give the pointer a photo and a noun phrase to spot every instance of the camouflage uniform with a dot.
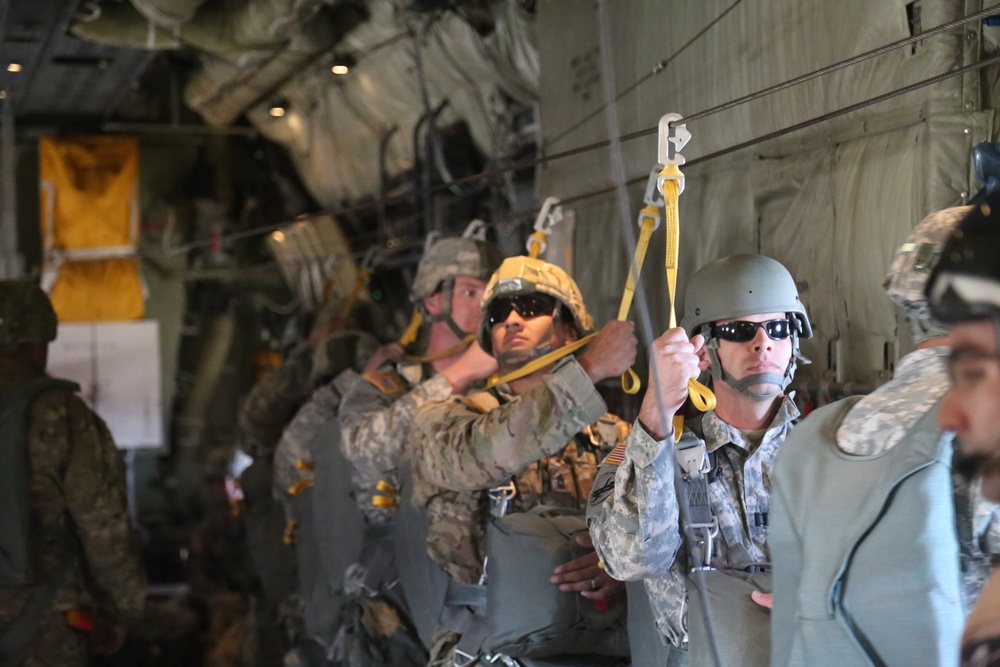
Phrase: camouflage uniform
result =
(491, 438)
(76, 490)
(633, 512)
(376, 421)
(274, 400)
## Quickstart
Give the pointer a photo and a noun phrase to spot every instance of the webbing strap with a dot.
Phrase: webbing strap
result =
(540, 362)
(412, 329)
(649, 220)
(445, 353)
(17, 635)
(670, 177)
(347, 305)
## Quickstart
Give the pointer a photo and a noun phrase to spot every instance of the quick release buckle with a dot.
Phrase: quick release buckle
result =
(500, 497)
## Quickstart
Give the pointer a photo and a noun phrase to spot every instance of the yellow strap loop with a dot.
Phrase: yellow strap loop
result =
(649, 214)
(382, 501)
(302, 464)
(412, 329)
(701, 396)
(385, 487)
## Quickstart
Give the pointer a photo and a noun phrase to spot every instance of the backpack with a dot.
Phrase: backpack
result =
(16, 569)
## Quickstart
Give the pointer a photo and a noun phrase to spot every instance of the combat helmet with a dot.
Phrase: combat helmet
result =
(446, 260)
(26, 315)
(737, 286)
(911, 268)
(965, 284)
(528, 275)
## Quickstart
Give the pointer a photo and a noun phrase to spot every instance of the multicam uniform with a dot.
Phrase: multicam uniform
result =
(634, 521)
(376, 421)
(275, 399)
(77, 495)
(471, 444)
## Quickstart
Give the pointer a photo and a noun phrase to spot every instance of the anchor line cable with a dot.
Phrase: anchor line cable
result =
(657, 67)
(638, 134)
(617, 168)
(946, 27)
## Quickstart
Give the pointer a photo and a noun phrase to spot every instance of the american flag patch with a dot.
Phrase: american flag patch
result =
(616, 456)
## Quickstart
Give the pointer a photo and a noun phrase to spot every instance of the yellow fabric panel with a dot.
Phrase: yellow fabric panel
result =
(94, 180)
(98, 291)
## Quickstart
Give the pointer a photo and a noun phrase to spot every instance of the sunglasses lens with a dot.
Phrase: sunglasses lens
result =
(741, 331)
(526, 305)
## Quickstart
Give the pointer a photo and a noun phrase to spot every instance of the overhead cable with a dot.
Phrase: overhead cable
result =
(839, 65)
(657, 67)
(534, 162)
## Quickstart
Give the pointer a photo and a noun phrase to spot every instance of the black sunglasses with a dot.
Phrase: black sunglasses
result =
(741, 331)
(526, 305)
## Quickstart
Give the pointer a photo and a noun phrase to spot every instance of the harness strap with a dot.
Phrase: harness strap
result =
(16, 636)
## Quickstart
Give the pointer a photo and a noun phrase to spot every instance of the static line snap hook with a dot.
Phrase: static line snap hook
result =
(671, 141)
(549, 215)
(475, 230)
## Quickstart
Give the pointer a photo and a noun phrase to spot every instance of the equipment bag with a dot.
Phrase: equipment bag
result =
(527, 616)
(742, 628)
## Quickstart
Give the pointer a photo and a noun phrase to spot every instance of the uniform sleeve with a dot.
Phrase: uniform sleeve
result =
(633, 512)
(94, 486)
(376, 424)
(461, 448)
(986, 524)
(273, 401)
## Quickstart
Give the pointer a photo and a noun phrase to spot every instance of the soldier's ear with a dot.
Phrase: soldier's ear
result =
(434, 304)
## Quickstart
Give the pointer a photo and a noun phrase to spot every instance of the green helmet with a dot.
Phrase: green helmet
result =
(742, 285)
(527, 275)
(738, 286)
(450, 258)
(26, 315)
(911, 269)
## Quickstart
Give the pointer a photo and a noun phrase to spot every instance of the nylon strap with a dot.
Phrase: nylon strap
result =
(412, 329)
(701, 396)
(445, 353)
(540, 362)
(649, 217)
(348, 303)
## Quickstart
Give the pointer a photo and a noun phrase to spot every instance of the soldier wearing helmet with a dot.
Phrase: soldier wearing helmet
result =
(533, 440)
(743, 320)
(64, 527)
(964, 293)
(882, 460)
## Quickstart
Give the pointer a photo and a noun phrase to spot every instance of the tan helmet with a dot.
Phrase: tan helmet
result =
(527, 275)
(911, 269)
(26, 315)
(450, 258)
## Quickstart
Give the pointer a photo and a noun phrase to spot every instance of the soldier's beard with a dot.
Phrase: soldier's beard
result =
(986, 466)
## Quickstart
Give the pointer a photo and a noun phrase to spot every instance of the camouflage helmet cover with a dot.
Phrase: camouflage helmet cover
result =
(915, 259)
(26, 315)
(911, 269)
(527, 275)
(449, 258)
(741, 285)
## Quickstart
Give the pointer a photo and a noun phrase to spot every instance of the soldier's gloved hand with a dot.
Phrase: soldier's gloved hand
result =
(382, 355)
(472, 366)
(585, 575)
(612, 352)
(672, 362)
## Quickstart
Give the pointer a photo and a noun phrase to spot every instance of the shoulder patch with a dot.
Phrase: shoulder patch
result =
(604, 484)
(482, 401)
(384, 382)
(616, 456)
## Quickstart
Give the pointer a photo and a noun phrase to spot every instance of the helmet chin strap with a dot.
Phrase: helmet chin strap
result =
(719, 374)
(447, 288)
(515, 359)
